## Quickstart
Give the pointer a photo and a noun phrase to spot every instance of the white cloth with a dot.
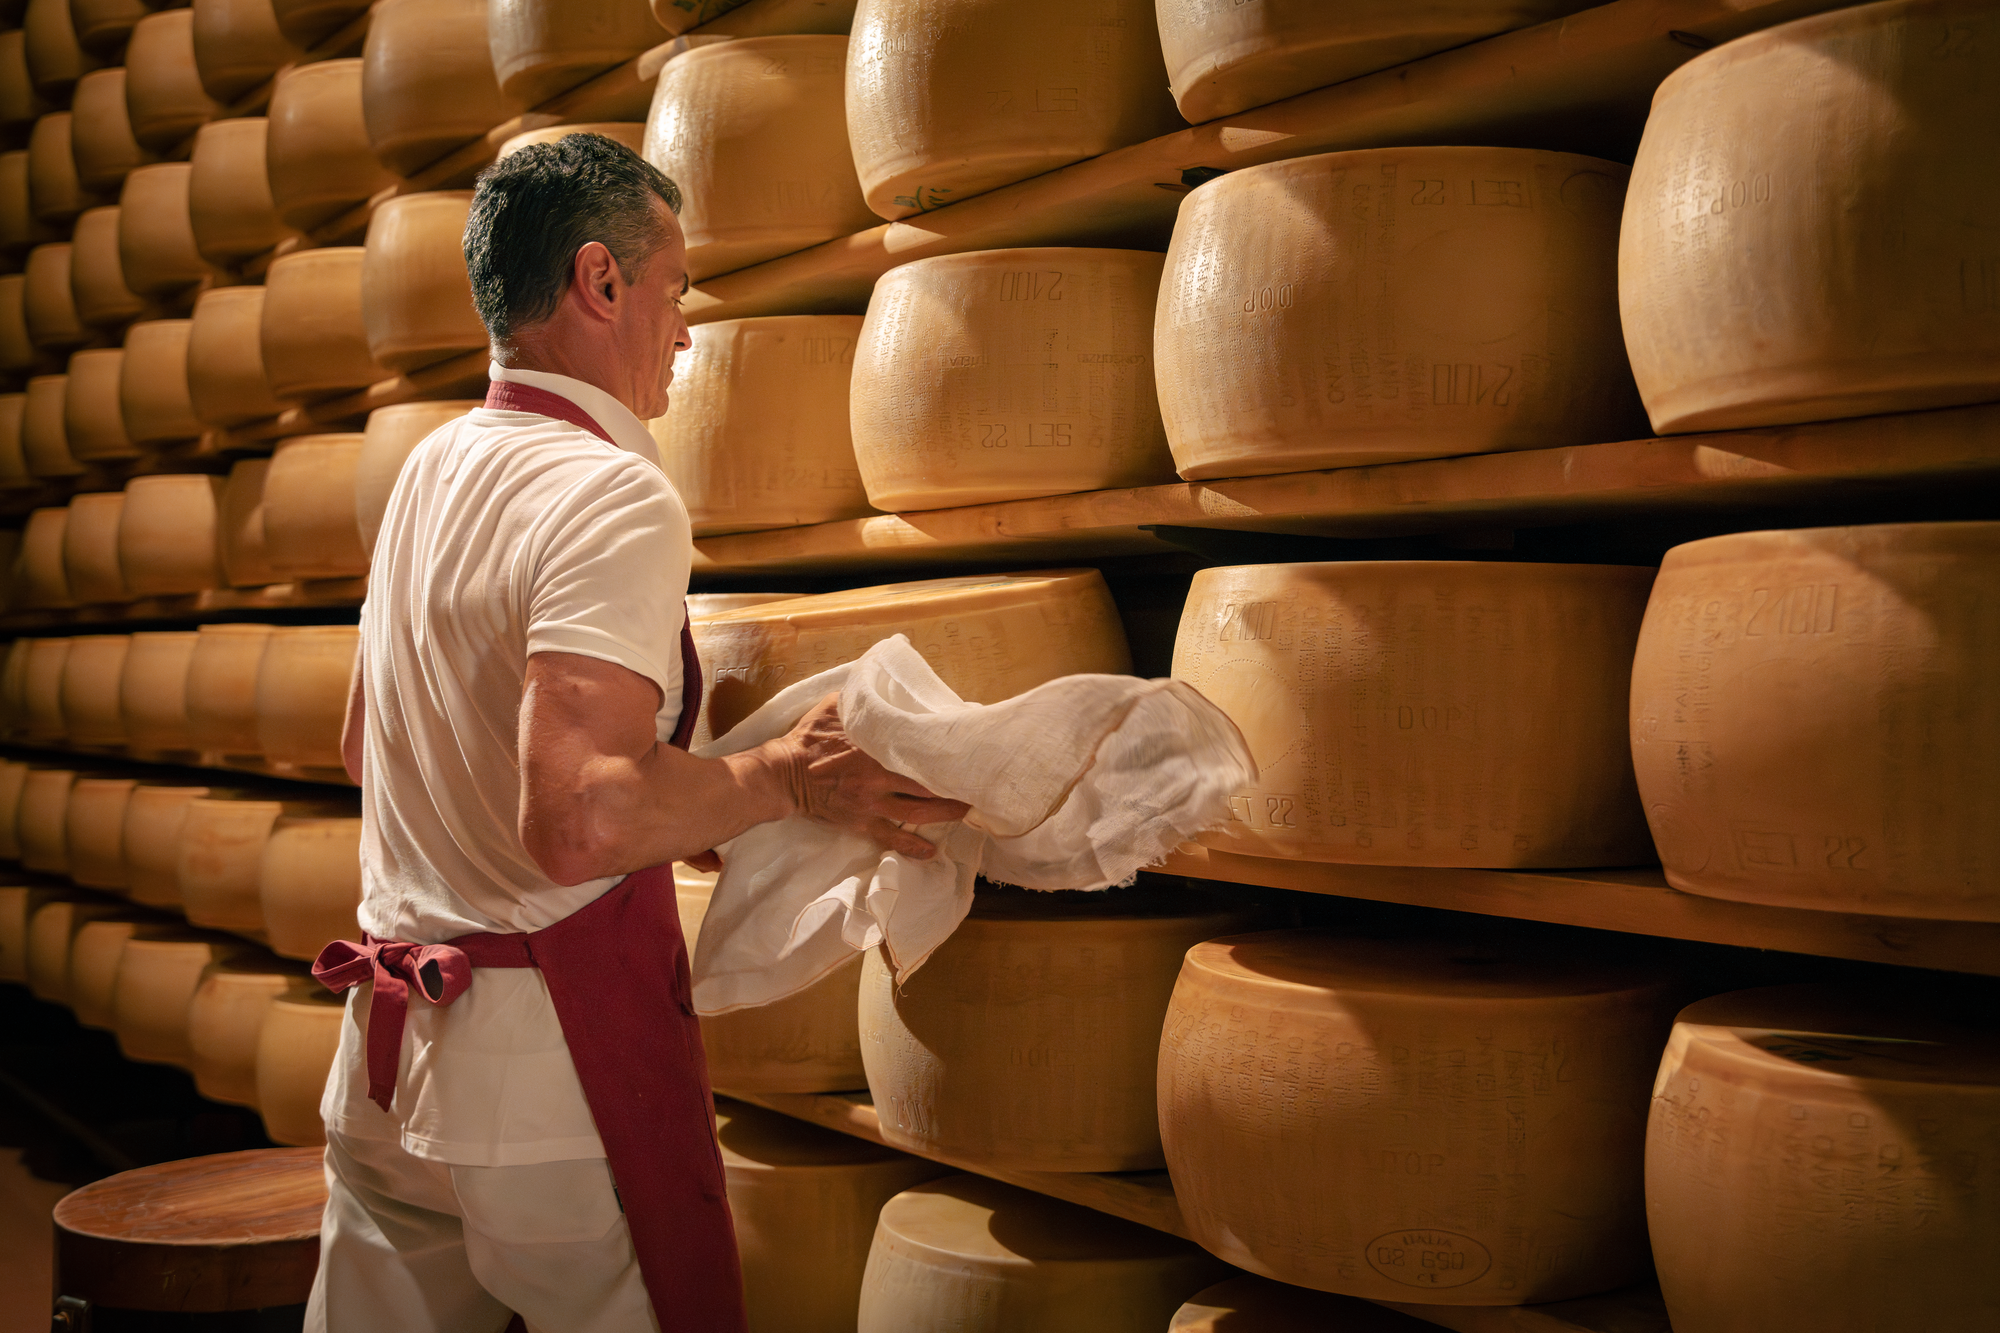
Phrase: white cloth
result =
(507, 534)
(1077, 784)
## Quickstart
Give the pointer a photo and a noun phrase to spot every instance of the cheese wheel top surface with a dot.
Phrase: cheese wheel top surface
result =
(753, 1139)
(1840, 1037)
(977, 1221)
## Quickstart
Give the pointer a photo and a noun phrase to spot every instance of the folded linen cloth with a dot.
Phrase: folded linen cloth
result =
(1077, 784)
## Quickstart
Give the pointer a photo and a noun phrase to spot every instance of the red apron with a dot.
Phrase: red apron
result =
(617, 973)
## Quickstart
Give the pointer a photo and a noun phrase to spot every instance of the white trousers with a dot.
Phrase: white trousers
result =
(410, 1245)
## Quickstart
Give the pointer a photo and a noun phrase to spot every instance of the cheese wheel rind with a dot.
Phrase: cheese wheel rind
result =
(225, 1021)
(427, 83)
(295, 1050)
(416, 295)
(309, 884)
(168, 540)
(311, 332)
(310, 527)
(222, 687)
(317, 149)
(230, 206)
(227, 382)
(301, 698)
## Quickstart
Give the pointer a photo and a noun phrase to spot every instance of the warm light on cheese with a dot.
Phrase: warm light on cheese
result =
(302, 687)
(313, 338)
(704, 604)
(52, 933)
(100, 132)
(226, 1019)
(246, 558)
(309, 883)
(90, 548)
(153, 384)
(295, 1051)
(156, 980)
(152, 693)
(392, 433)
(1428, 713)
(237, 45)
(229, 191)
(91, 673)
(55, 194)
(317, 151)
(163, 86)
(156, 231)
(49, 299)
(41, 689)
(416, 298)
(154, 818)
(97, 274)
(631, 134)
(427, 81)
(222, 687)
(94, 956)
(222, 846)
(310, 528)
(544, 47)
(167, 537)
(226, 379)
(94, 832)
(93, 421)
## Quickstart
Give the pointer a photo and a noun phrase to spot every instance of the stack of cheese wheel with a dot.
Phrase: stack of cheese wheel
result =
(51, 939)
(805, 1202)
(91, 672)
(44, 443)
(237, 45)
(97, 273)
(94, 957)
(1824, 1158)
(90, 548)
(226, 379)
(632, 135)
(156, 240)
(295, 1050)
(950, 98)
(41, 690)
(1457, 1065)
(55, 193)
(1256, 1305)
(753, 132)
(306, 22)
(310, 529)
(226, 1020)
(309, 883)
(544, 47)
(391, 434)
(312, 336)
(152, 693)
(757, 436)
(55, 59)
(229, 191)
(1007, 374)
(976, 1256)
(222, 687)
(246, 556)
(42, 819)
(1811, 722)
(427, 80)
(154, 819)
(162, 83)
(94, 832)
(49, 299)
(302, 687)
(1791, 257)
(1030, 1039)
(153, 393)
(1391, 304)
(18, 905)
(416, 297)
(1433, 713)
(100, 133)
(157, 978)
(317, 152)
(989, 637)
(167, 535)
(93, 419)
(221, 849)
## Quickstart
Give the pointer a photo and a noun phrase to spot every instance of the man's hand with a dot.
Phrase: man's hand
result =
(831, 782)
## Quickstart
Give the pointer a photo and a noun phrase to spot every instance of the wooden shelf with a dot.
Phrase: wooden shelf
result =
(185, 763)
(216, 603)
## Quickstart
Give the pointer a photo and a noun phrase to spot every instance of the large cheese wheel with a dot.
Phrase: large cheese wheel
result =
(952, 98)
(976, 1256)
(246, 557)
(226, 378)
(1029, 1040)
(1811, 722)
(226, 1019)
(544, 47)
(94, 831)
(1828, 1158)
(307, 21)
(1798, 245)
(157, 978)
(1258, 1305)
(45, 581)
(221, 846)
(313, 339)
(153, 384)
(229, 191)
(427, 81)
(163, 88)
(302, 688)
(237, 46)
(1453, 1066)
(754, 133)
(805, 1202)
(154, 819)
(1005, 374)
(222, 687)
(13, 458)
(168, 543)
(18, 905)
(309, 883)
(97, 272)
(50, 304)
(43, 819)
(416, 297)
(52, 936)
(19, 102)
(103, 26)
(94, 956)
(318, 154)
(156, 230)
(152, 692)
(100, 131)
(631, 134)
(91, 672)
(1406, 712)
(41, 689)
(391, 434)
(757, 435)
(295, 1050)
(90, 548)
(1390, 304)
(989, 637)
(310, 529)
(55, 59)
(44, 443)
(93, 421)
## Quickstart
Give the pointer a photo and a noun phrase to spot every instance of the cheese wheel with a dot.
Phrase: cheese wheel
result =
(18, 354)
(951, 98)
(1257, 1305)
(97, 273)
(13, 781)
(91, 672)
(52, 936)
(317, 152)
(93, 423)
(45, 583)
(427, 83)
(226, 379)
(246, 559)
(309, 884)
(19, 227)
(237, 46)
(305, 22)
(50, 303)
(1821, 1157)
(103, 26)
(989, 637)
(677, 16)
(42, 820)
(55, 60)
(391, 434)
(152, 692)
(221, 846)
(1392, 304)
(229, 191)
(90, 548)
(757, 436)
(544, 47)
(156, 230)
(157, 979)
(1006, 374)
(226, 1019)
(1029, 1041)
(1400, 711)
(632, 135)
(41, 689)
(153, 390)
(154, 819)
(162, 85)
(310, 528)
(19, 103)
(101, 138)
(167, 537)
(976, 1256)
(416, 297)
(754, 132)
(302, 688)
(18, 905)
(295, 1050)
(1810, 720)
(44, 443)
(13, 716)
(1797, 245)
(222, 687)
(1458, 1065)
(805, 1201)
(94, 955)
(94, 832)
(703, 604)
(312, 336)
(13, 459)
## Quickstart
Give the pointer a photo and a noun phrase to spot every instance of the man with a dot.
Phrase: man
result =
(537, 1136)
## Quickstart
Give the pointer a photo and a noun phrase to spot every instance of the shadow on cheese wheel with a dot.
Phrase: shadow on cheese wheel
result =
(1008, 374)
(94, 832)
(13, 458)
(947, 99)
(55, 193)
(42, 821)
(310, 529)
(703, 604)
(391, 434)
(162, 85)
(168, 541)
(101, 133)
(305, 22)
(805, 1202)
(677, 16)
(1458, 1064)
(309, 883)
(632, 135)
(94, 956)
(154, 820)
(44, 441)
(757, 433)
(989, 637)
(152, 692)
(544, 47)
(1473, 306)
(427, 83)
(91, 672)
(229, 192)
(19, 102)
(51, 942)
(50, 303)
(226, 379)
(295, 1050)
(313, 338)
(976, 1256)
(45, 581)
(1834, 748)
(1798, 258)
(19, 227)
(754, 133)
(1425, 713)
(1823, 1157)
(153, 384)
(222, 687)
(156, 231)
(221, 846)
(93, 421)
(237, 45)
(317, 151)
(416, 297)
(1029, 1040)
(90, 548)
(157, 978)
(246, 558)
(97, 273)
(18, 905)
(1258, 1305)
(302, 686)
(55, 59)
(103, 26)
(41, 689)
(226, 1019)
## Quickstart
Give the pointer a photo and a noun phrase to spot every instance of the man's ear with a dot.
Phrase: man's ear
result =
(596, 280)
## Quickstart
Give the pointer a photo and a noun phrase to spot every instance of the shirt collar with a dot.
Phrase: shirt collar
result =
(627, 431)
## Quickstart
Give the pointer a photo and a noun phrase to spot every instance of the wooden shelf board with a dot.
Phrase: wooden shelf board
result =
(311, 594)
(124, 757)
(459, 376)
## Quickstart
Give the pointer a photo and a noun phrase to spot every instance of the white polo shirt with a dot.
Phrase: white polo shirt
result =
(507, 534)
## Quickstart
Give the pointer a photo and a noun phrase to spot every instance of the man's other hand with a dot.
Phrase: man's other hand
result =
(834, 783)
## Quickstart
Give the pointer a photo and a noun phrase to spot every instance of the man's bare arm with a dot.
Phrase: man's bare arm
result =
(353, 725)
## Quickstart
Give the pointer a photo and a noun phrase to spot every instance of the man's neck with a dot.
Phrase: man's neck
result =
(540, 355)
